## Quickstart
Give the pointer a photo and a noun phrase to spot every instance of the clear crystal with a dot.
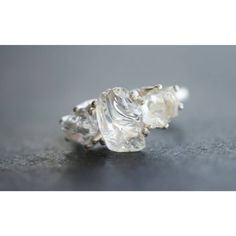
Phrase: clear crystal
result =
(160, 106)
(81, 126)
(120, 121)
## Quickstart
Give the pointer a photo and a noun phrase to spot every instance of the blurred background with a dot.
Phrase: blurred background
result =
(39, 84)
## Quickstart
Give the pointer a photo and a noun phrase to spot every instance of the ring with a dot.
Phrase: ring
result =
(121, 119)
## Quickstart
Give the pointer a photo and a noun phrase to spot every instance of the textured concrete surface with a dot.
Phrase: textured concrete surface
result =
(38, 84)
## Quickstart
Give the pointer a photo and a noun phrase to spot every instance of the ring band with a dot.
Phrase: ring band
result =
(121, 118)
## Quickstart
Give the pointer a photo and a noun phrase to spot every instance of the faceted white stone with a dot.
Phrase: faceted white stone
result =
(159, 107)
(80, 127)
(120, 121)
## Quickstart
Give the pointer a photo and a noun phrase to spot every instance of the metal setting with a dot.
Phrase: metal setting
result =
(142, 110)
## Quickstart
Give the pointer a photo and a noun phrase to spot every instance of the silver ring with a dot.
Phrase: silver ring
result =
(122, 118)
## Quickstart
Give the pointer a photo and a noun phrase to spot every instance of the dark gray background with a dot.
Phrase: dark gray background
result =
(39, 84)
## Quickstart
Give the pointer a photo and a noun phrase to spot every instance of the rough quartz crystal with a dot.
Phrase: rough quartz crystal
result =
(81, 126)
(160, 106)
(120, 121)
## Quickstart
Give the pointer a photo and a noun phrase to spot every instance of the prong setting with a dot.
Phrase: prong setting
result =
(176, 88)
(92, 107)
(93, 104)
(181, 106)
(166, 126)
(97, 138)
(146, 131)
(158, 86)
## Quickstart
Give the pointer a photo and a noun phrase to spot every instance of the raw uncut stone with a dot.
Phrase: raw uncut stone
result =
(159, 107)
(81, 126)
(120, 121)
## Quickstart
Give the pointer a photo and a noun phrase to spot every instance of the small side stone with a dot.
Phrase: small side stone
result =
(160, 106)
(81, 126)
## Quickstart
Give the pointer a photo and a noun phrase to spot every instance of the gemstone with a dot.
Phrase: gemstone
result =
(120, 121)
(160, 106)
(81, 126)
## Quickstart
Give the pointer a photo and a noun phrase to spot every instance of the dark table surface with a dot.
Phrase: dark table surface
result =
(39, 84)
